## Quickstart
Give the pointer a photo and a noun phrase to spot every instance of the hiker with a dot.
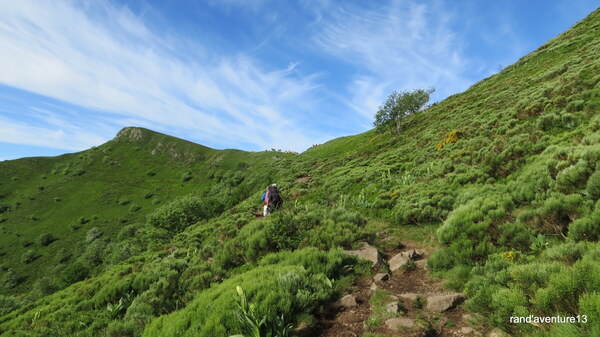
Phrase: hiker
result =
(272, 200)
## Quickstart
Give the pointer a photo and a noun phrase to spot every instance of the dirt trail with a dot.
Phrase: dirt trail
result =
(415, 318)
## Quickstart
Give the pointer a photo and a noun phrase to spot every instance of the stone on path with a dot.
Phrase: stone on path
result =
(392, 307)
(408, 296)
(421, 264)
(497, 333)
(373, 286)
(441, 303)
(367, 252)
(348, 301)
(467, 330)
(381, 277)
(302, 328)
(395, 324)
(399, 260)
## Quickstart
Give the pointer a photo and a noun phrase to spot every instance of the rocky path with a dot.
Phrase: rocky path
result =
(400, 300)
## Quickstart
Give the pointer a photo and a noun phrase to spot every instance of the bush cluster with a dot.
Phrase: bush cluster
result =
(46, 238)
(184, 211)
(309, 226)
(284, 285)
(546, 287)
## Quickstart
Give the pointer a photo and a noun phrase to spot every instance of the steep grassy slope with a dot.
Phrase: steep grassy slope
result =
(50, 205)
(505, 175)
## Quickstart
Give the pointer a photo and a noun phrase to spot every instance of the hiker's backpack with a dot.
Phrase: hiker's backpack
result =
(274, 197)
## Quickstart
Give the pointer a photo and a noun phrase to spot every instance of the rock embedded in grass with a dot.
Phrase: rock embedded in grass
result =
(399, 260)
(379, 277)
(441, 303)
(395, 324)
(348, 301)
(367, 252)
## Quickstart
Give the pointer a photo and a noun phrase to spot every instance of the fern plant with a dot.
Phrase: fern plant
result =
(251, 324)
(254, 326)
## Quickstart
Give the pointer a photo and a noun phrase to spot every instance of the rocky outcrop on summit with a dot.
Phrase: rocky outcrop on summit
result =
(131, 134)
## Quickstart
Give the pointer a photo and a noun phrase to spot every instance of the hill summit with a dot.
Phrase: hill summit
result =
(131, 133)
(157, 142)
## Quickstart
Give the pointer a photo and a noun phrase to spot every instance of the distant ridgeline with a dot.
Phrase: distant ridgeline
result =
(149, 235)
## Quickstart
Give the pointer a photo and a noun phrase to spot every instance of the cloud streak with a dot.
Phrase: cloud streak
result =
(105, 59)
(403, 45)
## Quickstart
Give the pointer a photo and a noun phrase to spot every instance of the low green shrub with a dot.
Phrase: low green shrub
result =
(466, 231)
(515, 235)
(593, 185)
(186, 176)
(29, 256)
(282, 285)
(119, 328)
(96, 252)
(309, 226)
(548, 121)
(74, 272)
(9, 304)
(589, 305)
(586, 228)
(575, 106)
(565, 287)
(62, 255)
(129, 231)
(43, 287)
(556, 212)
(517, 285)
(46, 238)
(93, 234)
(185, 211)
(573, 178)
(120, 252)
(4, 208)
(423, 207)
(25, 243)
(567, 252)
(10, 279)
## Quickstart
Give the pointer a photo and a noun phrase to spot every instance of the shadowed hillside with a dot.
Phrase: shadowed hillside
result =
(150, 235)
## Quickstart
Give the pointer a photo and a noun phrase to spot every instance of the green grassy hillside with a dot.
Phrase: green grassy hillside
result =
(50, 205)
(504, 175)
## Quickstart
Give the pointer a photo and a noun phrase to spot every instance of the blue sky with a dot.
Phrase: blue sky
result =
(251, 75)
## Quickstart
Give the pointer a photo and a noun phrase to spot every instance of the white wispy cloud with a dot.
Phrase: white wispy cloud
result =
(66, 137)
(106, 59)
(401, 45)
